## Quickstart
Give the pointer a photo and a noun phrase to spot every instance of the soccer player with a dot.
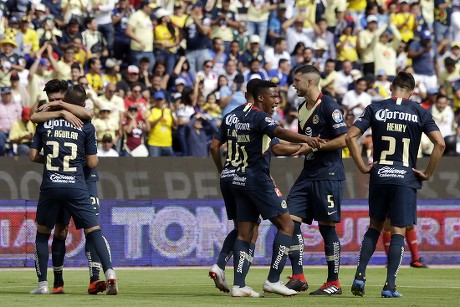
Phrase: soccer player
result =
(55, 90)
(249, 130)
(412, 243)
(318, 191)
(397, 125)
(66, 150)
(226, 171)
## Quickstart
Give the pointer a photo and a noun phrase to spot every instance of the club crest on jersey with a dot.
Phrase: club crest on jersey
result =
(269, 120)
(315, 119)
(337, 116)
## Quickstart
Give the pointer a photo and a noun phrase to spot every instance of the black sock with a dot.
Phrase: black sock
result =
(240, 262)
(331, 250)
(97, 245)
(395, 256)
(368, 245)
(58, 254)
(281, 245)
(296, 250)
(94, 264)
(41, 255)
(227, 249)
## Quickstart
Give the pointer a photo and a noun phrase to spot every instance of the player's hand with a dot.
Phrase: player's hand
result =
(50, 106)
(315, 142)
(367, 169)
(420, 175)
(304, 149)
(72, 119)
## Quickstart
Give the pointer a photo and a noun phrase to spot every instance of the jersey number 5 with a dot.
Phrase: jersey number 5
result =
(66, 161)
(391, 151)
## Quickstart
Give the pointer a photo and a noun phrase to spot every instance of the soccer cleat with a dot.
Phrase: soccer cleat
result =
(357, 288)
(97, 286)
(111, 281)
(218, 275)
(329, 288)
(42, 288)
(297, 284)
(58, 290)
(278, 288)
(238, 291)
(390, 293)
(418, 264)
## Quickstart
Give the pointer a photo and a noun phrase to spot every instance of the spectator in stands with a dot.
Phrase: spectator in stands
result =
(198, 133)
(71, 31)
(448, 76)
(133, 134)
(208, 76)
(238, 97)
(257, 16)
(343, 79)
(94, 75)
(404, 20)
(39, 74)
(327, 36)
(63, 67)
(252, 52)
(130, 77)
(54, 7)
(280, 74)
(274, 54)
(161, 123)
(8, 59)
(366, 43)
(157, 86)
(230, 71)
(159, 69)
(235, 53)
(443, 116)
(166, 40)
(296, 33)
(442, 11)
(329, 76)
(22, 132)
(139, 30)
(120, 17)
(356, 100)
(135, 99)
(92, 37)
(19, 93)
(102, 10)
(184, 110)
(179, 16)
(115, 102)
(74, 10)
(275, 29)
(29, 39)
(346, 46)
(384, 51)
(106, 148)
(112, 72)
(422, 56)
(223, 23)
(182, 71)
(197, 28)
(10, 112)
(105, 125)
(255, 71)
(320, 53)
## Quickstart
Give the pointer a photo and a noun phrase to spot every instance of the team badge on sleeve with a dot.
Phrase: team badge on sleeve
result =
(269, 120)
(337, 116)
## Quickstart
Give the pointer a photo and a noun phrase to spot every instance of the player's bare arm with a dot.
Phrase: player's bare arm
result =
(216, 155)
(91, 161)
(79, 111)
(35, 156)
(355, 151)
(439, 146)
(40, 117)
(284, 134)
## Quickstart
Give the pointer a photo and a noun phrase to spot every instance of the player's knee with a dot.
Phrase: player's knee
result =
(43, 229)
(61, 231)
(91, 229)
(377, 225)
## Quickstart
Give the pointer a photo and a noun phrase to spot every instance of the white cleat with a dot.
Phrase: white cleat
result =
(218, 275)
(278, 288)
(42, 288)
(238, 291)
(111, 280)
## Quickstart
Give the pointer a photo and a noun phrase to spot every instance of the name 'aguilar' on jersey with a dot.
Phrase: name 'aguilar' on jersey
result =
(248, 132)
(397, 125)
(326, 120)
(64, 148)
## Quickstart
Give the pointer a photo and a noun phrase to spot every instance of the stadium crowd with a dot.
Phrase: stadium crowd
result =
(160, 75)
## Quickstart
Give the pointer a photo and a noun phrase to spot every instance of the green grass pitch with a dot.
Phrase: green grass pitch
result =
(192, 287)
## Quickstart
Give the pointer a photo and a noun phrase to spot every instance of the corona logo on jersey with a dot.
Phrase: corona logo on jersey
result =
(17, 234)
(232, 120)
(385, 114)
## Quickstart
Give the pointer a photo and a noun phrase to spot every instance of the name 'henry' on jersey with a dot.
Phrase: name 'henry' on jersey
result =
(64, 148)
(397, 126)
(326, 120)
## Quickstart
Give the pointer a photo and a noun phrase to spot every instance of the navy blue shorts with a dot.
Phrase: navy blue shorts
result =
(229, 197)
(252, 203)
(64, 215)
(316, 200)
(57, 203)
(399, 203)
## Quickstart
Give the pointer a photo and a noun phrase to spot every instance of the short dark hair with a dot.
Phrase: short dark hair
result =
(404, 80)
(76, 95)
(449, 62)
(440, 96)
(307, 69)
(75, 66)
(251, 85)
(261, 87)
(56, 86)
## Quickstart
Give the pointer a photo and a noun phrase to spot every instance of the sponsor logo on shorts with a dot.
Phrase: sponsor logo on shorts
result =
(331, 213)
(284, 204)
(237, 180)
(392, 172)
